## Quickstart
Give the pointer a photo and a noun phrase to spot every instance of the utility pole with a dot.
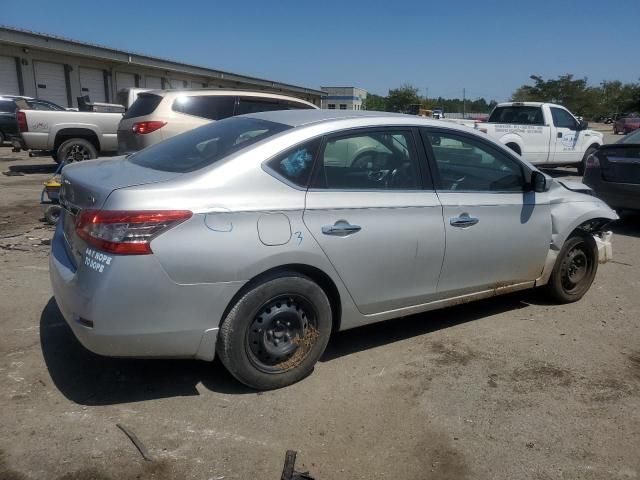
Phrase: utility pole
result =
(464, 102)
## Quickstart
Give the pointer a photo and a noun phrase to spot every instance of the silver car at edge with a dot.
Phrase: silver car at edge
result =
(255, 237)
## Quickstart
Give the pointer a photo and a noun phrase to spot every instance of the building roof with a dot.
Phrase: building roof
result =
(36, 40)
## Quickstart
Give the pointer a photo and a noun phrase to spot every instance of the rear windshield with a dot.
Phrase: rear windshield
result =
(519, 115)
(145, 104)
(206, 145)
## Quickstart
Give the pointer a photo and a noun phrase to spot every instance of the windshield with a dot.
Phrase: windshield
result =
(633, 137)
(206, 145)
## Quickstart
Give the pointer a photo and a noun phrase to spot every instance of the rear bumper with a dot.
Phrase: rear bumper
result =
(129, 142)
(616, 195)
(130, 307)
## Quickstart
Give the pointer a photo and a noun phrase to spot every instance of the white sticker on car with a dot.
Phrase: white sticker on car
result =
(96, 261)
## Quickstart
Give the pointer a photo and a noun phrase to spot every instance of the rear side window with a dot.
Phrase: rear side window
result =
(7, 106)
(519, 115)
(204, 146)
(213, 107)
(145, 104)
(295, 165)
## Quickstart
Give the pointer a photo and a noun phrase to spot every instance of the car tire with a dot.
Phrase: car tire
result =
(276, 331)
(581, 166)
(75, 150)
(574, 270)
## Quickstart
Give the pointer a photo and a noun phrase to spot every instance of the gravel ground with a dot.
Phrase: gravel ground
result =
(512, 387)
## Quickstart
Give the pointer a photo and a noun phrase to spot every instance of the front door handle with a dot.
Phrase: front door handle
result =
(463, 221)
(341, 228)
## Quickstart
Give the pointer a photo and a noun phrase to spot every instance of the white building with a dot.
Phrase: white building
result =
(344, 98)
(60, 70)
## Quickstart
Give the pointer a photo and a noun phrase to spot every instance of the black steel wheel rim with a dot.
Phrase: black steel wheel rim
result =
(77, 153)
(576, 266)
(281, 333)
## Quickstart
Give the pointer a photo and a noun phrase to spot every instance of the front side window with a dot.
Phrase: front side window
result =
(563, 119)
(212, 107)
(469, 165)
(377, 160)
(206, 145)
(520, 115)
(295, 165)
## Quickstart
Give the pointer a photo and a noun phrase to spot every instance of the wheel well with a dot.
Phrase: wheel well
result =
(593, 225)
(515, 147)
(315, 274)
(69, 133)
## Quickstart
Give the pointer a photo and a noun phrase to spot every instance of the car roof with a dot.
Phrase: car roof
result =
(219, 91)
(298, 118)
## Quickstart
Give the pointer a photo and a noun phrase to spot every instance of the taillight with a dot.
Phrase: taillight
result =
(126, 232)
(142, 128)
(592, 161)
(22, 121)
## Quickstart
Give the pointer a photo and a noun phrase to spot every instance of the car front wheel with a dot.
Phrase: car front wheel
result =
(575, 269)
(276, 331)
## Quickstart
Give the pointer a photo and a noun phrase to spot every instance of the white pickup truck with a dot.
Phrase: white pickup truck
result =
(543, 133)
(71, 136)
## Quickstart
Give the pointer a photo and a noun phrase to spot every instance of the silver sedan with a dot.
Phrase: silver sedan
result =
(255, 237)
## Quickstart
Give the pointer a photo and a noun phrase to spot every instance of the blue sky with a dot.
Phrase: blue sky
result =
(488, 47)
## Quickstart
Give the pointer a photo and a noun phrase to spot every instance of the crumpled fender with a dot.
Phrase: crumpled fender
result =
(569, 209)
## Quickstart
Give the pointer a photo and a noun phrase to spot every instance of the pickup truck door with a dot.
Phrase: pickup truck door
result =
(497, 233)
(566, 140)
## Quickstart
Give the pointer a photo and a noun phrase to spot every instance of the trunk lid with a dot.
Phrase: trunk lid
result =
(620, 163)
(86, 185)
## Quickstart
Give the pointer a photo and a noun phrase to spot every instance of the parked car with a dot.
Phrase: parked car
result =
(626, 124)
(543, 133)
(243, 239)
(613, 172)
(9, 105)
(76, 136)
(156, 116)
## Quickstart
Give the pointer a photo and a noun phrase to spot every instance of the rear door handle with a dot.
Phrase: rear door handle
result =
(341, 228)
(463, 220)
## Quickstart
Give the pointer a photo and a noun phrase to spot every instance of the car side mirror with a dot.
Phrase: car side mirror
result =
(582, 125)
(538, 182)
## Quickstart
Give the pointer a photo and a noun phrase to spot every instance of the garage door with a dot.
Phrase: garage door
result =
(50, 82)
(125, 80)
(197, 85)
(8, 77)
(175, 83)
(153, 82)
(92, 84)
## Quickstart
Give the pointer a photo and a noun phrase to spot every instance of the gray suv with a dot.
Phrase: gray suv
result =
(161, 114)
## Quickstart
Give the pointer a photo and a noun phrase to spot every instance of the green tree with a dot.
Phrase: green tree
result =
(399, 99)
(375, 102)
